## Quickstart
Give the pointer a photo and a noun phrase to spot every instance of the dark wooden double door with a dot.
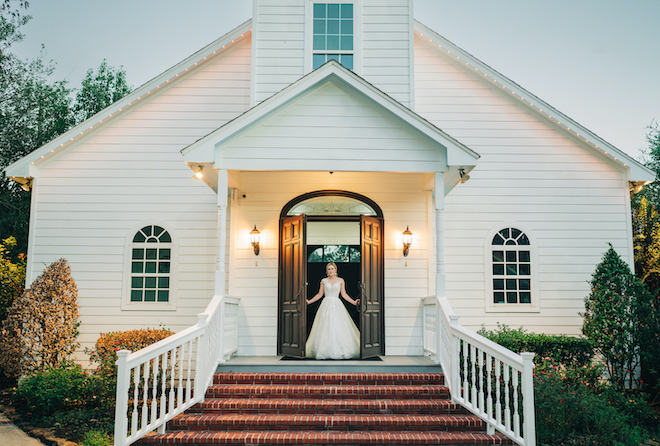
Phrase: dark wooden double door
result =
(293, 287)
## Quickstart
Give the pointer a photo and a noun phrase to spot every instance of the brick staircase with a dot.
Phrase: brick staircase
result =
(326, 408)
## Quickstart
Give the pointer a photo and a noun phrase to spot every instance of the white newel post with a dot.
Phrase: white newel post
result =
(223, 182)
(529, 427)
(439, 201)
(123, 377)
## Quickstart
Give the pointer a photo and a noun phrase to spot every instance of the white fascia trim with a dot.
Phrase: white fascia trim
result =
(205, 146)
(638, 171)
(21, 168)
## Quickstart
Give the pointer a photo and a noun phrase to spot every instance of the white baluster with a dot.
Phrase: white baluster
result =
(163, 390)
(489, 397)
(466, 384)
(154, 388)
(172, 376)
(188, 388)
(145, 395)
(473, 360)
(480, 366)
(516, 416)
(507, 407)
(181, 366)
(498, 383)
(136, 396)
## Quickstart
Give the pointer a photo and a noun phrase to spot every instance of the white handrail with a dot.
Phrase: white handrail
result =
(158, 382)
(489, 380)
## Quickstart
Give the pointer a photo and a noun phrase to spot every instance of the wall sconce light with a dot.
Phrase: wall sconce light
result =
(199, 174)
(25, 183)
(407, 241)
(464, 176)
(254, 239)
(637, 186)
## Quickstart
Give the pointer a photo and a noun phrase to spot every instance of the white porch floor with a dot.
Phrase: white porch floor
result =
(386, 364)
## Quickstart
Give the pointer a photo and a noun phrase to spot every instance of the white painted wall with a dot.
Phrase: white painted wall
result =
(255, 278)
(132, 171)
(382, 39)
(573, 201)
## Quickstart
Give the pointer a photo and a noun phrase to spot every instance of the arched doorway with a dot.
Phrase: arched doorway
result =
(320, 227)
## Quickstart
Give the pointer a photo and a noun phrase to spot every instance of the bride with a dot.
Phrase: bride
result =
(334, 334)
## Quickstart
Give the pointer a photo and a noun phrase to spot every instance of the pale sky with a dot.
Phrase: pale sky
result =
(596, 61)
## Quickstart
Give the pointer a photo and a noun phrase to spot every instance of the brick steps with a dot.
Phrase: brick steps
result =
(299, 423)
(315, 406)
(329, 438)
(326, 408)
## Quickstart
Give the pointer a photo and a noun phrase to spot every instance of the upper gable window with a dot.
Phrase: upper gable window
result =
(333, 34)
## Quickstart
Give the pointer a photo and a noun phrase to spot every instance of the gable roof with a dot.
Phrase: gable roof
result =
(22, 167)
(638, 172)
(457, 154)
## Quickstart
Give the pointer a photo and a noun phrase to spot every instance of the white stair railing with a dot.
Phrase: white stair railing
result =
(161, 381)
(489, 380)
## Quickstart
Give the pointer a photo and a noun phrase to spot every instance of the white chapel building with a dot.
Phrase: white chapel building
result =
(343, 131)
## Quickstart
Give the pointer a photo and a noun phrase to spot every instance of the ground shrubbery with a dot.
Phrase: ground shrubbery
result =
(575, 404)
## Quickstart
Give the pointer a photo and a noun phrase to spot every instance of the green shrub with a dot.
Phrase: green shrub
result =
(572, 414)
(60, 389)
(96, 438)
(564, 350)
(12, 276)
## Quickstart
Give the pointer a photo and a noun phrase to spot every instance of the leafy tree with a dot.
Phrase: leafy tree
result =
(100, 90)
(616, 318)
(41, 327)
(32, 112)
(35, 110)
(6, 7)
(12, 276)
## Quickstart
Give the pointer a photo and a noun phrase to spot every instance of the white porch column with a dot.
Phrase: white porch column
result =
(439, 202)
(220, 275)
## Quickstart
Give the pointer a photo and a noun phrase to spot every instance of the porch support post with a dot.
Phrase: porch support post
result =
(220, 275)
(439, 202)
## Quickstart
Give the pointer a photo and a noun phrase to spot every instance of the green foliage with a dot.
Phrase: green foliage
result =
(12, 276)
(34, 110)
(97, 438)
(561, 349)
(573, 410)
(100, 90)
(41, 327)
(12, 7)
(616, 318)
(71, 399)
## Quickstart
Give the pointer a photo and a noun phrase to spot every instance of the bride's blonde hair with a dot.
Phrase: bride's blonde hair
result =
(333, 264)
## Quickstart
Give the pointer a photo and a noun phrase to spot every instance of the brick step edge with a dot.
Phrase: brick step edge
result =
(331, 378)
(335, 391)
(321, 407)
(306, 438)
(328, 422)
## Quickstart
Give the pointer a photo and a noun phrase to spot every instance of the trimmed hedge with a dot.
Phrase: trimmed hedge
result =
(562, 349)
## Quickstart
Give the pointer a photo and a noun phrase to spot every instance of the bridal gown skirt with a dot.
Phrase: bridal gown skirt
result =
(334, 334)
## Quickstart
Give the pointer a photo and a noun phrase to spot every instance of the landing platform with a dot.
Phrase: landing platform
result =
(386, 364)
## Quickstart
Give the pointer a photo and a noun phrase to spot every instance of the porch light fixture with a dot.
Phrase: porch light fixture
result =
(25, 183)
(464, 176)
(407, 241)
(199, 174)
(254, 239)
(637, 186)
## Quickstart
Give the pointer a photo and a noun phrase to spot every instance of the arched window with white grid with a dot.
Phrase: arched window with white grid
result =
(511, 270)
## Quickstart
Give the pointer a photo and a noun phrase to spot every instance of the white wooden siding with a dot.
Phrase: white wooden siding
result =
(382, 42)
(403, 203)
(332, 128)
(279, 45)
(530, 172)
(132, 171)
(387, 47)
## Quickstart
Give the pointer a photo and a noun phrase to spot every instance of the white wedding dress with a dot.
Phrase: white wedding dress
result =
(334, 334)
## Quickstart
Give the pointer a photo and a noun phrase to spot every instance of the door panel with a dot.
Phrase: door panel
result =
(372, 289)
(293, 287)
